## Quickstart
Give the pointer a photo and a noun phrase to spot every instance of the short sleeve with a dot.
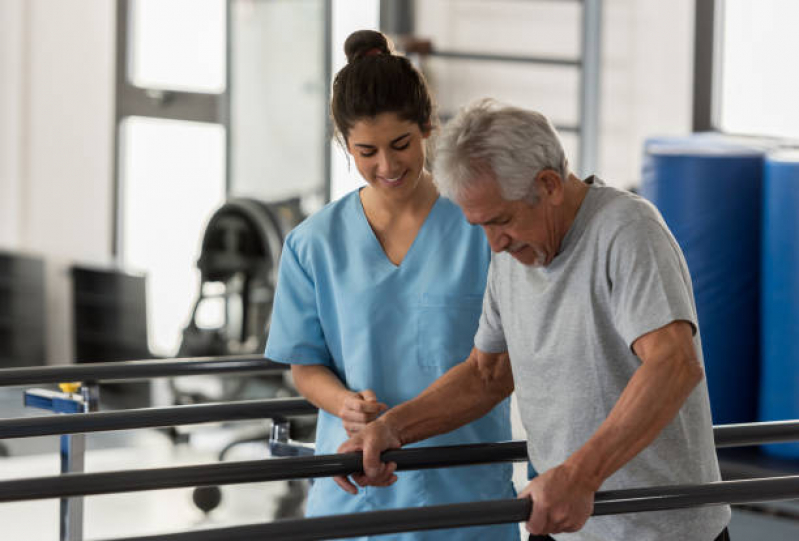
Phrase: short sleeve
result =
(490, 336)
(650, 283)
(295, 332)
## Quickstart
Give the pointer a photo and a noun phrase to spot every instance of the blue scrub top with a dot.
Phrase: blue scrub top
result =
(395, 329)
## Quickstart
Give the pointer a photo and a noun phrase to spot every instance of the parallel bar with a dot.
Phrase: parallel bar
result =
(735, 435)
(133, 370)
(153, 417)
(739, 435)
(274, 469)
(315, 466)
(487, 57)
(493, 512)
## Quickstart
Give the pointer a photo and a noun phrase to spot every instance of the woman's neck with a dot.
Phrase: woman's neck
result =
(384, 209)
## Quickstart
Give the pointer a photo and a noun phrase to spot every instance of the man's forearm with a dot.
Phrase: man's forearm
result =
(464, 393)
(650, 401)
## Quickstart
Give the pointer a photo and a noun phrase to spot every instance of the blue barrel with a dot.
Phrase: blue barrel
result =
(709, 192)
(779, 387)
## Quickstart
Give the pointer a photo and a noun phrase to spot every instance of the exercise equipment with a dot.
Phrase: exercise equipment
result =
(76, 485)
(779, 387)
(708, 190)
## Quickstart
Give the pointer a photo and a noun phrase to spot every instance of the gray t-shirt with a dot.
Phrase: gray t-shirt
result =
(569, 329)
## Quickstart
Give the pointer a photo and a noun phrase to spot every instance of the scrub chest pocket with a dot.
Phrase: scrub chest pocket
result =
(446, 325)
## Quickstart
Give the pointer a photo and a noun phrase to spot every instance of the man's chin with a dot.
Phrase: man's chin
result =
(530, 257)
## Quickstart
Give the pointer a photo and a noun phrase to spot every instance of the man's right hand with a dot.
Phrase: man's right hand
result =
(358, 409)
(373, 439)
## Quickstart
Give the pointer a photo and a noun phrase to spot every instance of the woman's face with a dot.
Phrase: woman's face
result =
(389, 153)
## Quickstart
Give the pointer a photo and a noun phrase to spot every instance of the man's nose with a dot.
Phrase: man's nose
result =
(498, 240)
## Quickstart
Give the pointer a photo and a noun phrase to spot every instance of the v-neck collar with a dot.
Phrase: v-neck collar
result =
(375, 242)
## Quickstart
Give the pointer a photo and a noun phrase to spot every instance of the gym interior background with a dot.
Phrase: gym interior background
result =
(126, 125)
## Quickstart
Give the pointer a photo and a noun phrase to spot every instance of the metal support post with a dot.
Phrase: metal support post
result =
(589, 99)
(73, 398)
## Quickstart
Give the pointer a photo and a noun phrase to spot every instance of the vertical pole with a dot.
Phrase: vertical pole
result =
(73, 453)
(589, 88)
(327, 70)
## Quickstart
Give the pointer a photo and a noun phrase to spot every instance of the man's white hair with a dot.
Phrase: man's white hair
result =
(513, 144)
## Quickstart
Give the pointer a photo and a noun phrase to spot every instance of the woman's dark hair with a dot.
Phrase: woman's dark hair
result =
(376, 81)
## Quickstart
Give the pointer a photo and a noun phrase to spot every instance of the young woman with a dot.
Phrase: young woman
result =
(380, 293)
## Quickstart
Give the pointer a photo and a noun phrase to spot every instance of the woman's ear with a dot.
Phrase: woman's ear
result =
(427, 130)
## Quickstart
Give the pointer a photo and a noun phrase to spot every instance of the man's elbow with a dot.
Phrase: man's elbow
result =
(692, 371)
(495, 380)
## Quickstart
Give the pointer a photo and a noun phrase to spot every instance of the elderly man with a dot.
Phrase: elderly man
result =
(589, 315)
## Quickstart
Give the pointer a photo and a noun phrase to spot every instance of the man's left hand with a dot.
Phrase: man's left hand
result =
(562, 501)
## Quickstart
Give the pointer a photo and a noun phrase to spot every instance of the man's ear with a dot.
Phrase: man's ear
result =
(550, 182)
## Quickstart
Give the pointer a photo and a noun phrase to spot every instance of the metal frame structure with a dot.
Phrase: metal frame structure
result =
(588, 63)
(85, 484)
(72, 486)
(138, 370)
(705, 39)
(103, 421)
(132, 100)
(214, 108)
(493, 512)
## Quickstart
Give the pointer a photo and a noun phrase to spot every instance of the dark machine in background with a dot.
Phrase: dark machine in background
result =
(238, 270)
(109, 315)
(22, 328)
(238, 266)
(22, 298)
(109, 310)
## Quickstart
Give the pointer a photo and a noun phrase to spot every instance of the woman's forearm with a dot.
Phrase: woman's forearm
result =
(321, 387)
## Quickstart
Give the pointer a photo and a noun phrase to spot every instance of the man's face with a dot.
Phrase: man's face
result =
(528, 232)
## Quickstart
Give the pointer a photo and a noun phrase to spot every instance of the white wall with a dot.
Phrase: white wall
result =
(56, 146)
(11, 134)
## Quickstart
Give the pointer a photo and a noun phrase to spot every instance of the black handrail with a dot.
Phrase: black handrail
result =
(733, 435)
(493, 512)
(274, 469)
(50, 425)
(83, 484)
(740, 435)
(136, 370)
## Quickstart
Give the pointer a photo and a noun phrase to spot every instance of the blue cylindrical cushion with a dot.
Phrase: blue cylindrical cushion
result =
(709, 193)
(779, 390)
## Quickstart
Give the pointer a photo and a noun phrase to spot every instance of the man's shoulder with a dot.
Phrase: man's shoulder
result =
(622, 207)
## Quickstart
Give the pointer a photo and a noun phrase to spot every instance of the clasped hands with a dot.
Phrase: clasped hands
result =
(562, 499)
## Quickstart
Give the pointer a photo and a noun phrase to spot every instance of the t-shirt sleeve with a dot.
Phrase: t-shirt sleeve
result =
(490, 336)
(295, 331)
(650, 283)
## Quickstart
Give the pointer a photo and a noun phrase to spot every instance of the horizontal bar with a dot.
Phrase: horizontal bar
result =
(493, 512)
(306, 467)
(274, 469)
(739, 435)
(488, 57)
(51, 425)
(133, 370)
(733, 435)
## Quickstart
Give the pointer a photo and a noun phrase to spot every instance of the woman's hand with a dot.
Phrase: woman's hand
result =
(358, 409)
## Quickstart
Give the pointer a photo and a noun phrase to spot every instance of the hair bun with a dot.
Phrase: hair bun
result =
(365, 43)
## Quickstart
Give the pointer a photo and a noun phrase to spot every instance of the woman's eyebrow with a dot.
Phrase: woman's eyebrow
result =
(393, 141)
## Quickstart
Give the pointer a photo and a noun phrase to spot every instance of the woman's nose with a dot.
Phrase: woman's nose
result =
(386, 165)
